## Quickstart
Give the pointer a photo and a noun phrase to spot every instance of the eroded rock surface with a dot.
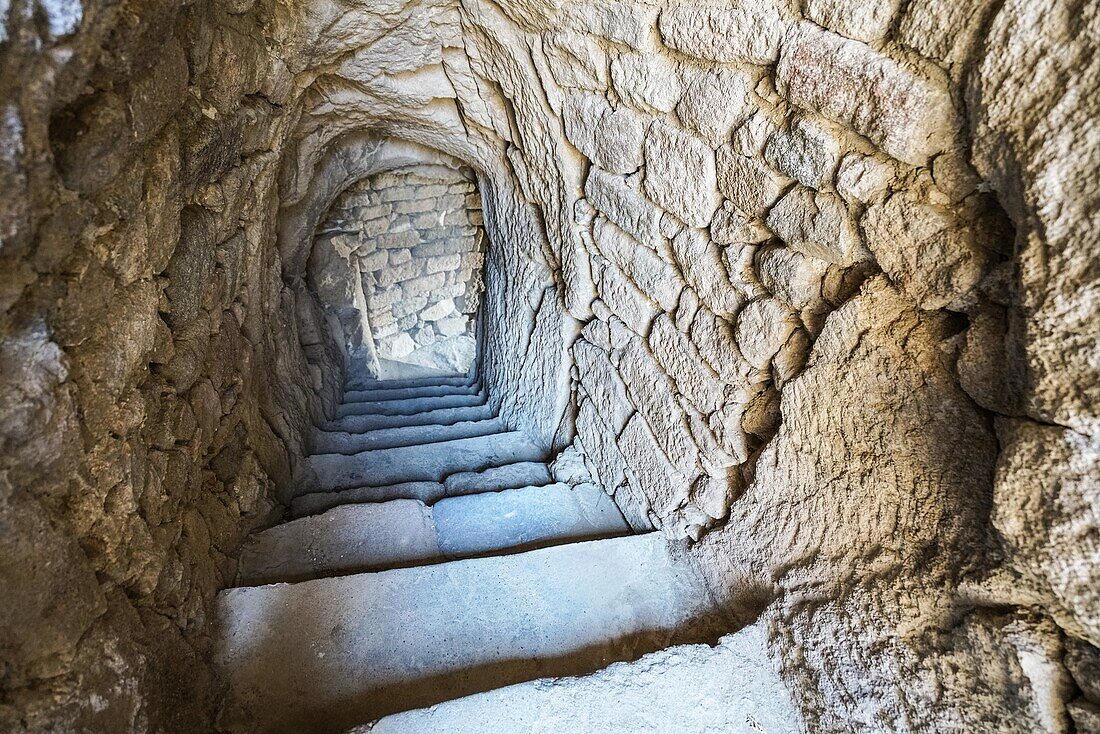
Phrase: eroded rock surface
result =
(810, 287)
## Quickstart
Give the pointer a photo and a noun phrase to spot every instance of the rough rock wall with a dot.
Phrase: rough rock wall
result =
(160, 351)
(416, 239)
(152, 392)
(833, 263)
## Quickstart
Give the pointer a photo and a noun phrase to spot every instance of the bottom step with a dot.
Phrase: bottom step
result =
(324, 655)
(733, 688)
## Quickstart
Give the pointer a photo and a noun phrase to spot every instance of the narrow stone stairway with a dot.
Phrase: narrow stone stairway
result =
(433, 557)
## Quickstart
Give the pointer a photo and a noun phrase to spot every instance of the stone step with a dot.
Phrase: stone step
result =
(347, 539)
(734, 688)
(324, 655)
(523, 519)
(315, 503)
(443, 416)
(409, 406)
(352, 397)
(335, 442)
(367, 383)
(372, 537)
(426, 463)
(496, 479)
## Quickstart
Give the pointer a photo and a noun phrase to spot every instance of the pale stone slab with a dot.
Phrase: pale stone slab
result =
(649, 83)
(429, 463)
(443, 416)
(525, 518)
(324, 655)
(908, 116)
(680, 174)
(348, 539)
(733, 688)
(742, 30)
(335, 442)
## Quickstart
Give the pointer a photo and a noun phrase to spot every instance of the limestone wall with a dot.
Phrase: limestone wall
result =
(809, 286)
(415, 236)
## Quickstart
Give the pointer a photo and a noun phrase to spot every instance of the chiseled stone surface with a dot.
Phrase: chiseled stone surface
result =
(680, 174)
(174, 319)
(667, 692)
(739, 31)
(908, 115)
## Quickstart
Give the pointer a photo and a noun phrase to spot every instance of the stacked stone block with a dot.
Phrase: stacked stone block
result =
(749, 170)
(416, 236)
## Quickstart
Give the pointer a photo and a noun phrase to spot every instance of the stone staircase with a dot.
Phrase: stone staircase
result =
(432, 558)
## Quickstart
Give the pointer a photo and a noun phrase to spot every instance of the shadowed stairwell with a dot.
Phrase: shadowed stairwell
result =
(549, 366)
(430, 552)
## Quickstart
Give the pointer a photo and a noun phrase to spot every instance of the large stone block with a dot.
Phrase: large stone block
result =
(748, 182)
(423, 285)
(623, 205)
(714, 339)
(863, 178)
(610, 138)
(808, 152)
(858, 19)
(443, 263)
(622, 298)
(794, 278)
(907, 115)
(602, 384)
(650, 83)
(602, 456)
(680, 174)
(738, 31)
(763, 327)
(576, 60)
(653, 394)
(715, 101)
(702, 264)
(665, 489)
(932, 253)
(655, 277)
(731, 226)
(682, 362)
(817, 224)
(622, 21)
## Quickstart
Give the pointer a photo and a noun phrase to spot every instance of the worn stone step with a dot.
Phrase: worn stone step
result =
(375, 395)
(315, 503)
(442, 416)
(409, 406)
(347, 539)
(369, 537)
(323, 655)
(734, 687)
(367, 383)
(426, 463)
(495, 479)
(521, 519)
(338, 442)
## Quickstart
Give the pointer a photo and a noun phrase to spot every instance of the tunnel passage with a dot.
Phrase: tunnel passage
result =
(398, 264)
